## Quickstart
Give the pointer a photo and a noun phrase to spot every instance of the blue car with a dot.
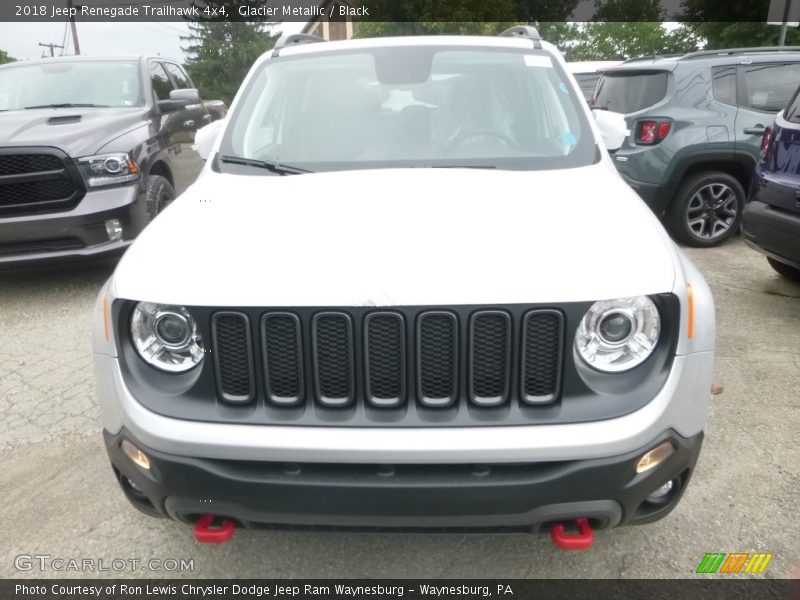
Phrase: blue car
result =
(771, 221)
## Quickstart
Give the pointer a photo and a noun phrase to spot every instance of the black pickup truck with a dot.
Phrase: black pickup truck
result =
(91, 149)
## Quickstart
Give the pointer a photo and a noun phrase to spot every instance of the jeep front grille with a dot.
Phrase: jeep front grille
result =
(433, 362)
(35, 180)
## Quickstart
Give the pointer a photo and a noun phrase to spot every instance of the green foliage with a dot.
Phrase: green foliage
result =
(615, 40)
(5, 58)
(741, 35)
(220, 54)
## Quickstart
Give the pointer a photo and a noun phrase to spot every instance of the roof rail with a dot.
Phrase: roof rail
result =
(524, 31)
(294, 39)
(731, 51)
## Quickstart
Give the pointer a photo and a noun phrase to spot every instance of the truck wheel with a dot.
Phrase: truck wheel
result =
(158, 194)
(784, 270)
(707, 209)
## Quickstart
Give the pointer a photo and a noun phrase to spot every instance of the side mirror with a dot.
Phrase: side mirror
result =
(179, 99)
(613, 128)
(206, 137)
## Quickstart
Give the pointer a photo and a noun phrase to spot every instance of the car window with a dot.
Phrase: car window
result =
(108, 83)
(418, 106)
(178, 76)
(630, 91)
(587, 82)
(770, 86)
(792, 112)
(161, 83)
(724, 84)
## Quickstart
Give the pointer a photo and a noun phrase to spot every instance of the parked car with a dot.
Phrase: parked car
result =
(587, 74)
(771, 222)
(417, 294)
(696, 123)
(91, 149)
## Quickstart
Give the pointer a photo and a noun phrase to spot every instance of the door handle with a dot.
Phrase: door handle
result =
(190, 123)
(757, 130)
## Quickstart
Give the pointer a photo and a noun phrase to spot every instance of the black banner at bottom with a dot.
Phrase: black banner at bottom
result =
(331, 589)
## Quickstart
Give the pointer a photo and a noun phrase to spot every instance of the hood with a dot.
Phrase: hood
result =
(400, 237)
(77, 131)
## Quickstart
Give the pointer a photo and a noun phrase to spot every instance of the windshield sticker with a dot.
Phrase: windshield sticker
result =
(569, 139)
(563, 88)
(534, 60)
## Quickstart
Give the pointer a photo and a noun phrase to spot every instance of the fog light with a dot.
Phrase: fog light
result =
(662, 491)
(655, 457)
(136, 455)
(114, 230)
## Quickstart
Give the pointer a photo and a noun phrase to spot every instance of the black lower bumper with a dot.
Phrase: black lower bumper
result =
(525, 497)
(775, 233)
(657, 196)
(77, 234)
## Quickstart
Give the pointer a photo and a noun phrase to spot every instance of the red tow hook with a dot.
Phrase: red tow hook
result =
(582, 540)
(205, 533)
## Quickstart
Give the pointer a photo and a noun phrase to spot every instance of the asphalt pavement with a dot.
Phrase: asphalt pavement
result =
(62, 501)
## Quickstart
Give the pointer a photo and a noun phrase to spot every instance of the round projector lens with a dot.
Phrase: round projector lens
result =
(172, 329)
(615, 327)
(113, 165)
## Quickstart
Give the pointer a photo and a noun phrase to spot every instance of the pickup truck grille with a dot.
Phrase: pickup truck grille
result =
(35, 180)
(434, 361)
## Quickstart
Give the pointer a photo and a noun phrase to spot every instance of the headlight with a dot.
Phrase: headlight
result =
(166, 337)
(108, 169)
(617, 335)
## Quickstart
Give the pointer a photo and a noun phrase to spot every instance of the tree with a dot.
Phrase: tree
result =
(5, 58)
(221, 53)
(616, 40)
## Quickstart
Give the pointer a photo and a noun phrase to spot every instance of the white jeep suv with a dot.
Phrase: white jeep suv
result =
(409, 290)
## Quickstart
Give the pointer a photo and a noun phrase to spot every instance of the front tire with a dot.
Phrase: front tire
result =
(784, 270)
(707, 209)
(158, 193)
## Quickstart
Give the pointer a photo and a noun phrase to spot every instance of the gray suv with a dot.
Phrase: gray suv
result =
(696, 123)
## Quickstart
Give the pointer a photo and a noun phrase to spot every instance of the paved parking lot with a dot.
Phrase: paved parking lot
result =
(61, 499)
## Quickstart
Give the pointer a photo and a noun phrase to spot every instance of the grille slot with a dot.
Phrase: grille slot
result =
(18, 164)
(233, 356)
(283, 358)
(437, 358)
(490, 357)
(385, 358)
(332, 334)
(37, 180)
(542, 355)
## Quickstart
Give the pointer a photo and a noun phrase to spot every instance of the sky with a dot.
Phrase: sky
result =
(21, 40)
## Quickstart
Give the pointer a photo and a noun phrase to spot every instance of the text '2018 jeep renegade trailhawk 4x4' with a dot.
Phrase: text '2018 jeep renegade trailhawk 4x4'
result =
(409, 290)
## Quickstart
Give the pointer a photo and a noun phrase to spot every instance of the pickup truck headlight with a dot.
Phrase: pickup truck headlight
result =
(166, 337)
(617, 335)
(108, 169)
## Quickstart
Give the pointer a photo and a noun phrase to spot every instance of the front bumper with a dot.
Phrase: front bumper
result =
(76, 234)
(527, 496)
(772, 232)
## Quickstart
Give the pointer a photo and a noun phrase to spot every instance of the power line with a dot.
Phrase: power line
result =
(64, 38)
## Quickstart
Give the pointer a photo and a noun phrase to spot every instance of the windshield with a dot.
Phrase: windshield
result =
(101, 83)
(409, 107)
(629, 92)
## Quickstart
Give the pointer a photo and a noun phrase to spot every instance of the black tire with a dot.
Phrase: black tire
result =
(158, 193)
(784, 270)
(707, 209)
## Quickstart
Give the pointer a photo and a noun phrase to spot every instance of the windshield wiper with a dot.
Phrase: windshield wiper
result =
(67, 105)
(273, 166)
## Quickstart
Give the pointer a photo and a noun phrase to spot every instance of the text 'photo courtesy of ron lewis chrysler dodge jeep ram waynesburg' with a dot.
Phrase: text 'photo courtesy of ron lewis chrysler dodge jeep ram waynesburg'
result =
(419, 295)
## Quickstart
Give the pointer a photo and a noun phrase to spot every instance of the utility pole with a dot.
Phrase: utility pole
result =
(74, 29)
(51, 46)
(786, 8)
